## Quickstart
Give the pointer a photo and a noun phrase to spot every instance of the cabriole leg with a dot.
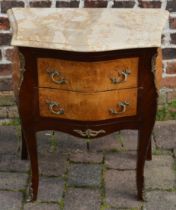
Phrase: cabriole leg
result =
(24, 153)
(149, 150)
(143, 143)
(32, 150)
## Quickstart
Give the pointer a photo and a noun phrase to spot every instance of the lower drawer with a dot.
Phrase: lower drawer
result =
(87, 106)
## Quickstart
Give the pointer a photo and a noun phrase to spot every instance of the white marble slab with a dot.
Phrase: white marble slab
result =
(87, 30)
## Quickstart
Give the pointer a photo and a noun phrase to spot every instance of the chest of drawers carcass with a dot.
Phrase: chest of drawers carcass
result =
(86, 75)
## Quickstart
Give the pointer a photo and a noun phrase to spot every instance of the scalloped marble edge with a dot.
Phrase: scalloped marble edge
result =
(92, 43)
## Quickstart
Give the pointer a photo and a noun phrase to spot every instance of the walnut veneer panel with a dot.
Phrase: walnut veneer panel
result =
(159, 68)
(88, 76)
(86, 106)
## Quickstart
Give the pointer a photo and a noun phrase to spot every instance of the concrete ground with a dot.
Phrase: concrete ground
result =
(102, 179)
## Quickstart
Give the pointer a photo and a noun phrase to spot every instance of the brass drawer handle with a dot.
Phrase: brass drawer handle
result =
(123, 77)
(52, 104)
(56, 77)
(123, 107)
(89, 133)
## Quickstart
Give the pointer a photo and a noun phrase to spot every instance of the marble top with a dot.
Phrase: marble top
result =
(87, 30)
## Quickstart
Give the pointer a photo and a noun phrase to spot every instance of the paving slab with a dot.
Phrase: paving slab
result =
(82, 199)
(84, 175)
(8, 140)
(50, 189)
(13, 181)
(165, 134)
(160, 200)
(129, 139)
(159, 173)
(123, 209)
(120, 188)
(174, 153)
(59, 143)
(10, 200)
(121, 160)
(69, 143)
(106, 143)
(86, 157)
(12, 162)
(110, 209)
(53, 164)
(43, 142)
(41, 206)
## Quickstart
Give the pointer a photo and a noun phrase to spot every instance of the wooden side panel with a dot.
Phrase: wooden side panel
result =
(158, 76)
(88, 76)
(86, 106)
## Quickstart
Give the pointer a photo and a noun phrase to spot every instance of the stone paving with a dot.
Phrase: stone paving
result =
(103, 178)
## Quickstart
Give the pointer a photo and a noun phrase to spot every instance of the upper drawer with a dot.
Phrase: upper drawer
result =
(88, 76)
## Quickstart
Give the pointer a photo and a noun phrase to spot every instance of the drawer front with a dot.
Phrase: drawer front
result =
(88, 76)
(87, 106)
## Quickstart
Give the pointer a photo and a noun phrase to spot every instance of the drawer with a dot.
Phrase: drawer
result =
(88, 76)
(87, 106)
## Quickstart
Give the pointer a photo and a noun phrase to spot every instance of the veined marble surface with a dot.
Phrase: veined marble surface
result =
(87, 30)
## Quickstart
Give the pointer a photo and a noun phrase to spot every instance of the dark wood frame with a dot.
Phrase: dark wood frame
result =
(31, 121)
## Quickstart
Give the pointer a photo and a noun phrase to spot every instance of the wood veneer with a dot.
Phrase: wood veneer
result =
(88, 76)
(87, 106)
